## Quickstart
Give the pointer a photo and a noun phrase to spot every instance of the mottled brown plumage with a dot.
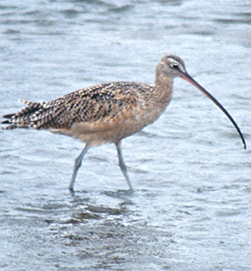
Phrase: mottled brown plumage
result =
(107, 112)
(96, 115)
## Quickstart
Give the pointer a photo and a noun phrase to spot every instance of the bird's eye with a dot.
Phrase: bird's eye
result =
(174, 65)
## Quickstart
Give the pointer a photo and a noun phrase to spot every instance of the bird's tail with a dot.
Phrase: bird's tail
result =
(23, 118)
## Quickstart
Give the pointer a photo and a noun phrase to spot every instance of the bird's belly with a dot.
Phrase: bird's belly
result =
(108, 131)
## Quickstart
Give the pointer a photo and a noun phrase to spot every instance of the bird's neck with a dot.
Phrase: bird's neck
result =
(163, 89)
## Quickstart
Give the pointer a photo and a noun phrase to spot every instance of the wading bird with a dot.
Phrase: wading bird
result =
(110, 112)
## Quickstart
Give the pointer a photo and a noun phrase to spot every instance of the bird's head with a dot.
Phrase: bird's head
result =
(170, 67)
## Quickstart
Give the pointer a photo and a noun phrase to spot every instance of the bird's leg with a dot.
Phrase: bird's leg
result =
(77, 165)
(123, 165)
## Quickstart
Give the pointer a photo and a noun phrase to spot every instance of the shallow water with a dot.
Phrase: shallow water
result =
(191, 206)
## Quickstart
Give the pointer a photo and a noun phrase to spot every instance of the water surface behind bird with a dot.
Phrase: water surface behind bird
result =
(191, 205)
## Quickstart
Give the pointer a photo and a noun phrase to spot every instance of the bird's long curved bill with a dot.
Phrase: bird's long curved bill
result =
(188, 78)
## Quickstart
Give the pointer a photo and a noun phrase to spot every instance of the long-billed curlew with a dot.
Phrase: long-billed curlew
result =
(108, 113)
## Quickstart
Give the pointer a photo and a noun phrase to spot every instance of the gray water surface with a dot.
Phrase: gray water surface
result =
(192, 178)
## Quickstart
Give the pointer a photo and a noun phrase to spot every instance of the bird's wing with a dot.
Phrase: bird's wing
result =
(87, 105)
